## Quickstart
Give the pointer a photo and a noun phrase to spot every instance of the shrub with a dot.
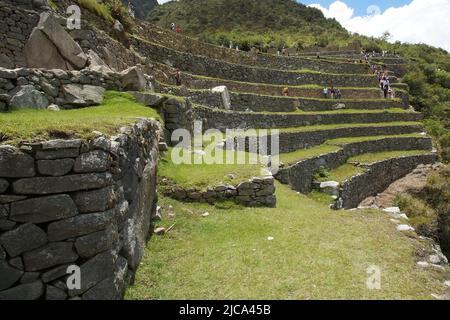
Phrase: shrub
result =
(99, 9)
(423, 218)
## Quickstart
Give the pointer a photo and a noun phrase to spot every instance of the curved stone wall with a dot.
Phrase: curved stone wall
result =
(300, 175)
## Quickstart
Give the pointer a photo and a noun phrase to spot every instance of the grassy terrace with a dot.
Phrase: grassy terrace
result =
(199, 174)
(345, 111)
(351, 168)
(117, 109)
(368, 158)
(316, 253)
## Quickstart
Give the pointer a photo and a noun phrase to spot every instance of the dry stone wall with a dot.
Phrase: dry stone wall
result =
(222, 120)
(76, 202)
(201, 65)
(378, 177)
(300, 175)
(186, 44)
(256, 192)
(15, 29)
(259, 103)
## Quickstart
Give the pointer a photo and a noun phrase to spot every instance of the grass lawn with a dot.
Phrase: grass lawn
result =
(202, 175)
(342, 173)
(316, 253)
(117, 109)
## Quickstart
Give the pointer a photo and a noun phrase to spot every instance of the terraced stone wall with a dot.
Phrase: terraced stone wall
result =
(76, 202)
(379, 176)
(300, 175)
(186, 44)
(259, 103)
(17, 24)
(222, 120)
(201, 65)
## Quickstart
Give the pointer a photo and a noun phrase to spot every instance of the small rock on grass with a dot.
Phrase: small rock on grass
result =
(447, 283)
(404, 227)
(160, 231)
(270, 238)
(206, 214)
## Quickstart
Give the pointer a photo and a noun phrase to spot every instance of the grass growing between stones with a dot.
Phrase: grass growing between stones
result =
(197, 173)
(316, 253)
(117, 109)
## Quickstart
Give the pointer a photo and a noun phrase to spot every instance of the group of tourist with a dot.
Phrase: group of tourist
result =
(332, 93)
(175, 28)
(384, 83)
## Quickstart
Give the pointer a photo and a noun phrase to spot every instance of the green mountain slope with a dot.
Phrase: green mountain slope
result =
(249, 22)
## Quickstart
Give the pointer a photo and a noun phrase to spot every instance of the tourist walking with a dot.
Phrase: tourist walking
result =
(286, 92)
(177, 77)
(325, 93)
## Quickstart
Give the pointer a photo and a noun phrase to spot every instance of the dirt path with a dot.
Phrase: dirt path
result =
(412, 183)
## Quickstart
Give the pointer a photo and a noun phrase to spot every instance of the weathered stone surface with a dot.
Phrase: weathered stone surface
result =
(96, 200)
(28, 291)
(149, 99)
(9, 198)
(105, 290)
(29, 97)
(57, 154)
(29, 277)
(24, 238)
(16, 263)
(54, 293)
(83, 95)
(43, 209)
(6, 225)
(96, 63)
(61, 144)
(51, 255)
(134, 79)
(8, 275)
(55, 168)
(4, 184)
(79, 225)
(41, 53)
(62, 184)
(15, 164)
(4, 211)
(94, 161)
(94, 271)
(55, 273)
(89, 245)
(66, 46)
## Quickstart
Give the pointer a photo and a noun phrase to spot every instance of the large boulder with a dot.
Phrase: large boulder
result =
(29, 97)
(96, 63)
(134, 79)
(41, 53)
(83, 95)
(51, 47)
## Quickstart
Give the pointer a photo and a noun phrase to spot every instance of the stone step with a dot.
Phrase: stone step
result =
(224, 119)
(200, 65)
(260, 103)
(299, 167)
(274, 90)
(292, 139)
(183, 43)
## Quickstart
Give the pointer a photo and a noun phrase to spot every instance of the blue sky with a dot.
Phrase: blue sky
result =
(361, 6)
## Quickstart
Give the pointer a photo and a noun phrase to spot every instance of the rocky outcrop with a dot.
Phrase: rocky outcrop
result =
(76, 203)
(83, 95)
(28, 97)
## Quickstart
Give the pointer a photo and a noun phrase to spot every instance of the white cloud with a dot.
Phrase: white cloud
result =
(421, 21)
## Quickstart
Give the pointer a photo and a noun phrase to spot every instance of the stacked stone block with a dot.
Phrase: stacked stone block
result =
(76, 202)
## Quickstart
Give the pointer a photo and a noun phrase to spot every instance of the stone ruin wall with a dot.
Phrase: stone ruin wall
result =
(76, 202)
(300, 175)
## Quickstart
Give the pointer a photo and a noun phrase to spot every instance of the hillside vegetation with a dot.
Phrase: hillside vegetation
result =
(278, 23)
(249, 23)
